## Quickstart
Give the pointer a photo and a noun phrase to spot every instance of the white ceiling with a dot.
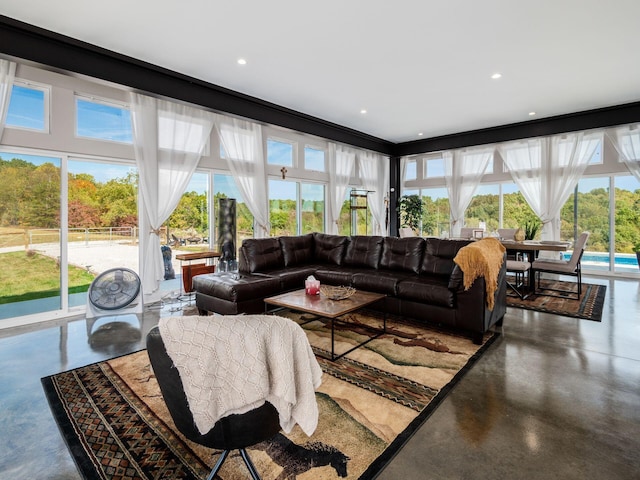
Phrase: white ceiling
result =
(416, 66)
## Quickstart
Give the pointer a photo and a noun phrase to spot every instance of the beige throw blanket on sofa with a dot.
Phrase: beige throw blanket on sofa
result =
(233, 364)
(482, 259)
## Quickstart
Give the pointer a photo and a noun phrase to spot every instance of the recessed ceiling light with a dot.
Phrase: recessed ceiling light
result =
(242, 61)
(420, 134)
(496, 76)
(531, 114)
(363, 111)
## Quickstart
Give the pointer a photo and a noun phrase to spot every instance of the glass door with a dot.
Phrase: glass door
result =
(30, 235)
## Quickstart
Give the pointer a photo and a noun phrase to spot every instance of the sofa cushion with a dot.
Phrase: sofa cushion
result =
(432, 290)
(244, 288)
(379, 281)
(403, 254)
(439, 254)
(336, 276)
(297, 250)
(292, 278)
(363, 251)
(329, 248)
(262, 254)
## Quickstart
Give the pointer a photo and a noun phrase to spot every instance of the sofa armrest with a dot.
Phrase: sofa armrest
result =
(456, 280)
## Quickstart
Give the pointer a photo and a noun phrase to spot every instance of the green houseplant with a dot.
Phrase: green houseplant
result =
(531, 228)
(410, 207)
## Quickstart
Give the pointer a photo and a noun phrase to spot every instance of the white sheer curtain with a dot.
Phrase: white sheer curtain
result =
(547, 171)
(627, 142)
(169, 139)
(463, 171)
(374, 173)
(341, 161)
(242, 143)
(7, 74)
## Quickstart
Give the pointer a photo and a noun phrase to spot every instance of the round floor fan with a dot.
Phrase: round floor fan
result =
(114, 289)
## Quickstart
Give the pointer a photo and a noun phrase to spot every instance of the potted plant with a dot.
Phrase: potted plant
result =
(636, 248)
(410, 207)
(531, 228)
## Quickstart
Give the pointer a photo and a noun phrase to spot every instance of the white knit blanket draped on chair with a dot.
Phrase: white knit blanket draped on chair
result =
(233, 364)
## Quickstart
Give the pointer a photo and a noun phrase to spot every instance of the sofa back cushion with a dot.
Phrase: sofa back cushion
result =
(439, 254)
(297, 250)
(329, 248)
(261, 254)
(402, 253)
(363, 251)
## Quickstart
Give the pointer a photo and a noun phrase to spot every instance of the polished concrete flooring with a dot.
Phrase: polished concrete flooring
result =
(553, 398)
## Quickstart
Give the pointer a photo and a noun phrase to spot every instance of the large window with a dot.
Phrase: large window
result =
(314, 159)
(296, 208)
(484, 209)
(102, 214)
(29, 107)
(282, 208)
(435, 212)
(279, 153)
(312, 207)
(102, 120)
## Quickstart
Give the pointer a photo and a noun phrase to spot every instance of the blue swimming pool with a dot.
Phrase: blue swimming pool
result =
(601, 259)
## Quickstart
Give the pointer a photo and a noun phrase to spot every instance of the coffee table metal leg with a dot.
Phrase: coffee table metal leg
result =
(335, 357)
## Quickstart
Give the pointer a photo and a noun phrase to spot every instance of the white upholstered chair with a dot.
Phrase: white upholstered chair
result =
(562, 267)
(507, 233)
(466, 232)
(407, 232)
(519, 269)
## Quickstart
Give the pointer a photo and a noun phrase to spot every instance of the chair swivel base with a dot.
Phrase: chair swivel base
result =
(245, 456)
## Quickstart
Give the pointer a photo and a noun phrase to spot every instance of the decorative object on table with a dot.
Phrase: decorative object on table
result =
(531, 228)
(336, 293)
(312, 286)
(519, 236)
(478, 234)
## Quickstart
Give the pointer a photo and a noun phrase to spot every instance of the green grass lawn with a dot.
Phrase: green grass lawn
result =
(30, 276)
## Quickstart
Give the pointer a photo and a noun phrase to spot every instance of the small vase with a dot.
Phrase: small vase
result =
(518, 236)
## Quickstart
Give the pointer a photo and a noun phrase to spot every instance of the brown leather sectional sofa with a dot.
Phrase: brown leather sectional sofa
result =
(418, 276)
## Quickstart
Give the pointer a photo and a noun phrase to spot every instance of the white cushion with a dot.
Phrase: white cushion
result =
(517, 265)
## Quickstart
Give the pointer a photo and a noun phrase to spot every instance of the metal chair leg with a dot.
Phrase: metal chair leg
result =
(249, 464)
(223, 457)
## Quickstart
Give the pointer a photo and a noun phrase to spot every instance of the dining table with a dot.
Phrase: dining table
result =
(530, 249)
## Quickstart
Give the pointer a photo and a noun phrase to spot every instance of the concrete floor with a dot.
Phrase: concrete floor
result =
(554, 397)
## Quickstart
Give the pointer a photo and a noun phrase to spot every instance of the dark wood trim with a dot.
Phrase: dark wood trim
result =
(24, 41)
(27, 42)
(598, 118)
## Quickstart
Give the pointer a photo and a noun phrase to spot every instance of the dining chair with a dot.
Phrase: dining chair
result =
(507, 233)
(466, 232)
(570, 267)
(407, 232)
(519, 269)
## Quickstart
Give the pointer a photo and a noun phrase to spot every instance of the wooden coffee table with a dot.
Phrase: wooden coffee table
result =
(330, 309)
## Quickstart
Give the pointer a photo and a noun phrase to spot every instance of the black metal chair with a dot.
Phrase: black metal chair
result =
(562, 267)
(229, 433)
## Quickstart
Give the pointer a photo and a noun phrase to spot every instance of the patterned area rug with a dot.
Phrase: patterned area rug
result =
(588, 307)
(116, 425)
